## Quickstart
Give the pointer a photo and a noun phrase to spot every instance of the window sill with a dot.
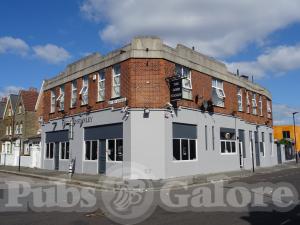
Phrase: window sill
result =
(100, 101)
(184, 161)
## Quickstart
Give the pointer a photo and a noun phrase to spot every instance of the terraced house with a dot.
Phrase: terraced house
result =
(21, 128)
(174, 111)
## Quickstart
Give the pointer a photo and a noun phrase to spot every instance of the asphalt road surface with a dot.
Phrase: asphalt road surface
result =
(157, 215)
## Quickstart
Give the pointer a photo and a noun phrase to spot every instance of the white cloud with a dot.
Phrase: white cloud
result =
(218, 28)
(5, 91)
(283, 114)
(278, 60)
(13, 45)
(51, 53)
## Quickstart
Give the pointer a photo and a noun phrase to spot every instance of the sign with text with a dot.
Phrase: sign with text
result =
(175, 89)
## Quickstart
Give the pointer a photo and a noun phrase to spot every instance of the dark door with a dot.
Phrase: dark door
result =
(102, 156)
(279, 154)
(56, 156)
(257, 148)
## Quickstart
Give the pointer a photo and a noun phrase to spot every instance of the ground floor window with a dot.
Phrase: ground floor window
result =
(27, 149)
(91, 150)
(115, 149)
(184, 149)
(64, 150)
(228, 141)
(49, 150)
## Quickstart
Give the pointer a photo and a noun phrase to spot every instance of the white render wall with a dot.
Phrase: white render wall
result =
(148, 142)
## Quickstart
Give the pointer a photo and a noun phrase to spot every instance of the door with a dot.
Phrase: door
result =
(56, 156)
(102, 156)
(257, 154)
(279, 153)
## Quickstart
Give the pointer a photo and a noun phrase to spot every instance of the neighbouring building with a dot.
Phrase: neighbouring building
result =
(21, 137)
(285, 135)
(2, 126)
(105, 111)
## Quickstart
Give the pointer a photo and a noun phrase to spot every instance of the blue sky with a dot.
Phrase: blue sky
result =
(39, 38)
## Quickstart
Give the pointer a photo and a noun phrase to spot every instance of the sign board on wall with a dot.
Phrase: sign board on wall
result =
(175, 89)
(115, 101)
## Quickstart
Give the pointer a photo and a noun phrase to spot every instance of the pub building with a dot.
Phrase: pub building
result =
(175, 111)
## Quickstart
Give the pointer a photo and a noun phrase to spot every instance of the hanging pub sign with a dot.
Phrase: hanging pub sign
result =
(175, 89)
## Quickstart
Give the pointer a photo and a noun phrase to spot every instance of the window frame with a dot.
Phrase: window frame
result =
(218, 87)
(74, 90)
(186, 74)
(260, 105)
(189, 150)
(262, 153)
(61, 98)
(254, 104)
(91, 149)
(84, 92)
(67, 144)
(229, 141)
(108, 159)
(269, 109)
(114, 84)
(53, 144)
(52, 101)
(240, 99)
(101, 79)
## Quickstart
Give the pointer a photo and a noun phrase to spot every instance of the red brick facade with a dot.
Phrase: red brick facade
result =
(143, 84)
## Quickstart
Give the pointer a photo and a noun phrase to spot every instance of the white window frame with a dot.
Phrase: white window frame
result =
(73, 94)
(65, 153)
(10, 130)
(116, 87)
(20, 109)
(248, 102)
(53, 101)
(101, 86)
(189, 150)
(186, 75)
(254, 104)
(17, 128)
(269, 109)
(225, 141)
(21, 128)
(115, 153)
(49, 143)
(218, 86)
(84, 92)
(260, 104)
(61, 98)
(91, 148)
(240, 99)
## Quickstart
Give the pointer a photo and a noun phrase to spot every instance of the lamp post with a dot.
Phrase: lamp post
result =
(294, 113)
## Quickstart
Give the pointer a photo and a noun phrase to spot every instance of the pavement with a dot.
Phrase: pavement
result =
(102, 182)
(160, 216)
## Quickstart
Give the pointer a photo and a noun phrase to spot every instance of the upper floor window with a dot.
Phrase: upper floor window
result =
(74, 93)
(101, 85)
(20, 109)
(84, 92)
(116, 81)
(185, 73)
(21, 128)
(254, 104)
(10, 130)
(53, 99)
(17, 129)
(269, 109)
(218, 95)
(260, 106)
(248, 102)
(61, 98)
(7, 130)
(9, 111)
(240, 99)
(286, 134)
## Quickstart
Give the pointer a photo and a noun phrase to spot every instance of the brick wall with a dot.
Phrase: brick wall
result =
(143, 84)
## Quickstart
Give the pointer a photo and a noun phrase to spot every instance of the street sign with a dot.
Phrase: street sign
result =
(175, 89)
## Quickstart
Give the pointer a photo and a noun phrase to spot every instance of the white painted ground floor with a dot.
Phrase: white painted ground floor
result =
(166, 144)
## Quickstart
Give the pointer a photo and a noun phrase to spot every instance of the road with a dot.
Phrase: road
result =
(159, 215)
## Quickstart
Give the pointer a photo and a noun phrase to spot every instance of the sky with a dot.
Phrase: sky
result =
(38, 39)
